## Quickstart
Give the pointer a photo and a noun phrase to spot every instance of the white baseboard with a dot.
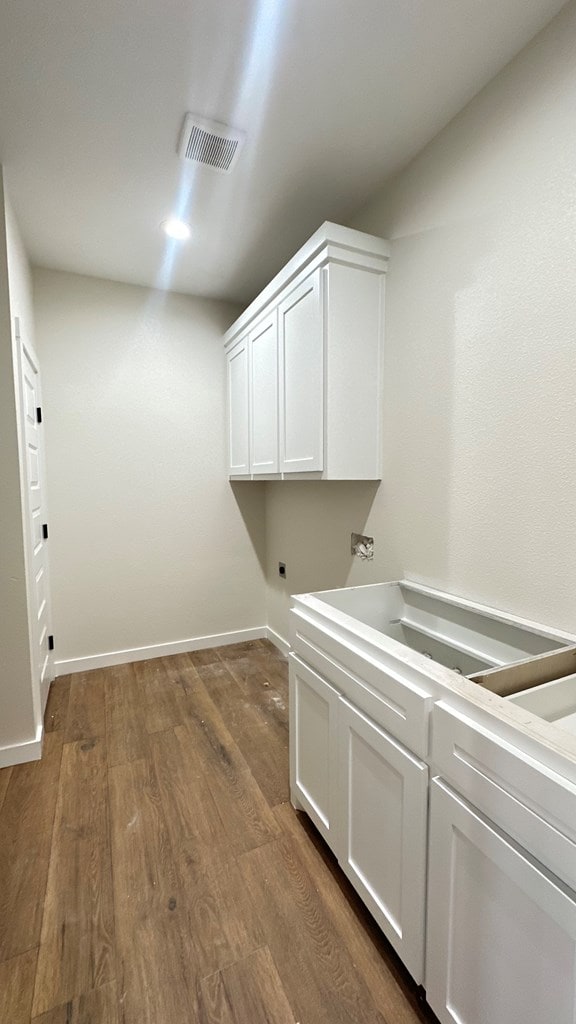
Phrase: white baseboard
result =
(19, 753)
(278, 641)
(197, 643)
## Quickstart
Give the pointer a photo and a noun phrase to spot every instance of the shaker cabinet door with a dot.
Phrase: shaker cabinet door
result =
(501, 936)
(302, 378)
(313, 752)
(383, 808)
(237, 370)
(263, 342)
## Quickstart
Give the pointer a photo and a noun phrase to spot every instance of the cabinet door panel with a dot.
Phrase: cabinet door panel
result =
(313, 751)
(383, 792)
(263, 343)
(238, 409)
(302, 377)
(501, 940)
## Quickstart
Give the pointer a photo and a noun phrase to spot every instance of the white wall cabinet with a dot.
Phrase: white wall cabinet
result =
(501, 943)
(313, 365)
(367, 795)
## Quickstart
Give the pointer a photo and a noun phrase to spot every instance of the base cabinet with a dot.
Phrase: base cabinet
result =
(476, 868)
(501, 935)
(367, 795)
(383, 802)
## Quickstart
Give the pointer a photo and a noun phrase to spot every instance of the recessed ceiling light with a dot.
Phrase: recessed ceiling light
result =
(176, 229)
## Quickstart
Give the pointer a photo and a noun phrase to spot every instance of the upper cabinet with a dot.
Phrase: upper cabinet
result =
(304, 365)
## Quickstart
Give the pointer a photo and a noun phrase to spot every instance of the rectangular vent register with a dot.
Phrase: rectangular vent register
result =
(210, 143)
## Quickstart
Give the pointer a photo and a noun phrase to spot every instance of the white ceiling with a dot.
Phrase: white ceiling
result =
(335, 95)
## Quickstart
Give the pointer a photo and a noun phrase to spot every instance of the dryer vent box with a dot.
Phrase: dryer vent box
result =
(210, 143)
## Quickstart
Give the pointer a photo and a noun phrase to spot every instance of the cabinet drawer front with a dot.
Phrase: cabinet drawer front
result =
(501, 942)
(313, 754)
(383, 792)
(397, 705)
(530, 802)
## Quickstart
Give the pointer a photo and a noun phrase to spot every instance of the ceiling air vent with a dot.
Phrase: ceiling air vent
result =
(210, 143)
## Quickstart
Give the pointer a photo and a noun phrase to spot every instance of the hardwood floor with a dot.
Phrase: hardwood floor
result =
(152, 870)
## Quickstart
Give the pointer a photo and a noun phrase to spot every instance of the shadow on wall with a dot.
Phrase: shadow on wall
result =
(250, 499)
(308, 526)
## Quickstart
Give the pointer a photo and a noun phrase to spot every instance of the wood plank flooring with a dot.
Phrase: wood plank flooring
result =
(152, 869)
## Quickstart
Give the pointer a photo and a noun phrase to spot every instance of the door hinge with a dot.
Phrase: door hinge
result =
(45, 531)
(50, 643)
(39, 415)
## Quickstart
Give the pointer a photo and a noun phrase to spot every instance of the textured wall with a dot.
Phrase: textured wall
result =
(149, 543)
(479, 488)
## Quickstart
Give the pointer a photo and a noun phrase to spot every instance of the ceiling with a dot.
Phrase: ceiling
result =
(335, 95)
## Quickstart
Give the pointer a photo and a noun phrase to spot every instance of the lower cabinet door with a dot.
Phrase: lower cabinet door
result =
(383, 792)
(313, 749)
(501, 935)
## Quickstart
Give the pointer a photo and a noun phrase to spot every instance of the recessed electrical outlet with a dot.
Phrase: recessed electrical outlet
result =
(361, 546)
(282, 569)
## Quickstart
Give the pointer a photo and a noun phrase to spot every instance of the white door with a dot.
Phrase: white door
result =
(263, 361)
(313, 747)
(35, 517)
(384, 794)
(302, 378)
(238, 409)
(501, 935)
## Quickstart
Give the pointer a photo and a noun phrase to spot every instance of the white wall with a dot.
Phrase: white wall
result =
(479, 489)
(19, 691)
(149, 543)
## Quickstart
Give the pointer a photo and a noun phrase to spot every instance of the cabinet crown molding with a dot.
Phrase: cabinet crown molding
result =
(329, 242)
